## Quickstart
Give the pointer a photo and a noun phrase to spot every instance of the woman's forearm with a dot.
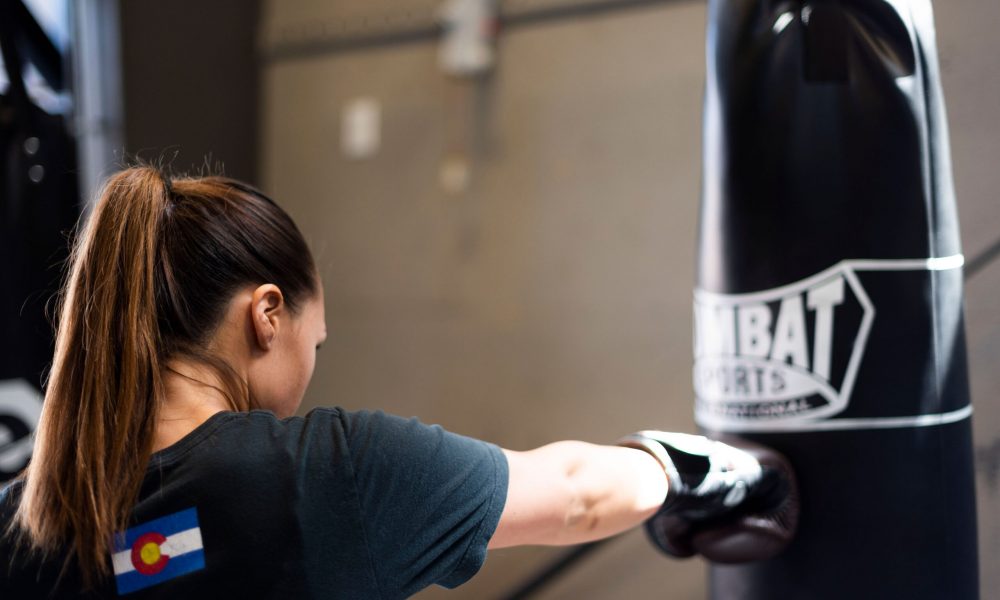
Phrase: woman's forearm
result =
(573, 492)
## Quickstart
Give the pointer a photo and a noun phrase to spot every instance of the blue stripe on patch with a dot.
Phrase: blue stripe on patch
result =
(176, 566)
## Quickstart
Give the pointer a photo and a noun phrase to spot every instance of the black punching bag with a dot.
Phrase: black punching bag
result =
(38, 208)
(828, 310)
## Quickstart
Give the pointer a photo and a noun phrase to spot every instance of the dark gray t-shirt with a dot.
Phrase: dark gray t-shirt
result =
(336, 504)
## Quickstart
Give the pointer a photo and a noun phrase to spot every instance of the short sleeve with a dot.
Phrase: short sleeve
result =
(430, 499)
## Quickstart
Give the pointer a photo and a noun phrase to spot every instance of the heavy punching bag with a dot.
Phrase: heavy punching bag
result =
(39, 204)
(828, 308)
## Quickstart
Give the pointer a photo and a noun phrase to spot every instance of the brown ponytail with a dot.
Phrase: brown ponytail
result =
(149, 278)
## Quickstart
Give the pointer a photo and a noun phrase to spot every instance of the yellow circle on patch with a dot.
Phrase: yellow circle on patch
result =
(150, 553)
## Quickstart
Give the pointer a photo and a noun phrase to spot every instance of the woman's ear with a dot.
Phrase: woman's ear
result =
(266, 307)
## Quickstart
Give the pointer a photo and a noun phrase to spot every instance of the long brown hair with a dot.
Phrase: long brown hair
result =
(149, 277)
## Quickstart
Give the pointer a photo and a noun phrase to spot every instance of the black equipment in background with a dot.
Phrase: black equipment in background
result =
(39, 206)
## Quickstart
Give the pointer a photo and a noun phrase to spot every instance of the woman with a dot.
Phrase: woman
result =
(167, 461)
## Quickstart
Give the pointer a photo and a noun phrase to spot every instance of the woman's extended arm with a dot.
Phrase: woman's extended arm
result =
(574, 492)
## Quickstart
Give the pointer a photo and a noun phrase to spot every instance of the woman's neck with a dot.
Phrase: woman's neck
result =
(192, 394)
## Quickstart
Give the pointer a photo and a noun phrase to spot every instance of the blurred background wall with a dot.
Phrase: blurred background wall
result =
(512, 256)
(190, 83)
(548, 298)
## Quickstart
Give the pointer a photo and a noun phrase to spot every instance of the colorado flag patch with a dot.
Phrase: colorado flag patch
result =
(158, 550)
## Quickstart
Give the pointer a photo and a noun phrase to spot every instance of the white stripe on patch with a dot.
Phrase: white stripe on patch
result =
(182, 542)
(177, 544)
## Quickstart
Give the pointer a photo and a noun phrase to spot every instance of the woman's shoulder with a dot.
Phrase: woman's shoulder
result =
(253, 451)
(259, 442)
(255, 429)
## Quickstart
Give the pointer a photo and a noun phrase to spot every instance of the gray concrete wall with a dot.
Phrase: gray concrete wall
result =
(970, 62)
(552, 298)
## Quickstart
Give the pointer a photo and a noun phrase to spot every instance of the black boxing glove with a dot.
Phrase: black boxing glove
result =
(730, 502)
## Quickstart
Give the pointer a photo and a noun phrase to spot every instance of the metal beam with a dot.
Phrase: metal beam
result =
(322, 39)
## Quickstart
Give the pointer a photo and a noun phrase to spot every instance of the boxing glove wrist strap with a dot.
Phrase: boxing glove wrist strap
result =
(654, 448)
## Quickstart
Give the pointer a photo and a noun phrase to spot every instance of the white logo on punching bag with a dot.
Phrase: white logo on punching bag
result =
(20, 409)
(787, 354)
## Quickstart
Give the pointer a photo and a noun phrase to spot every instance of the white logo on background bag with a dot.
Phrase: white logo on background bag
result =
(786, 354)
(20, 409)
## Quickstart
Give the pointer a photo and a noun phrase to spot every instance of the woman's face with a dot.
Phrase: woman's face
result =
(280, 375)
